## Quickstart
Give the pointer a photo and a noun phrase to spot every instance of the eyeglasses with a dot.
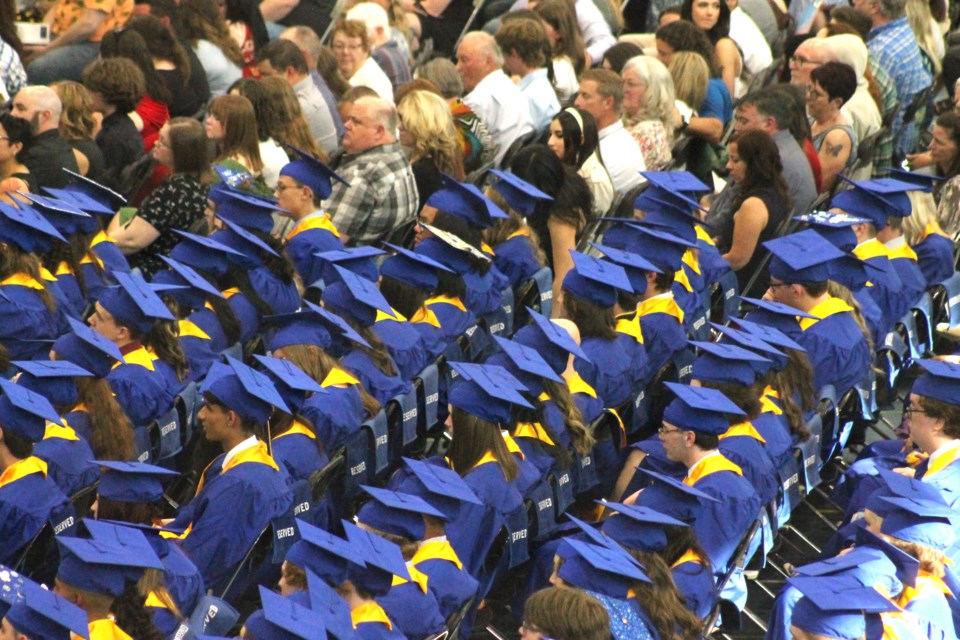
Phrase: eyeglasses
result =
(663, 429)
(800, 61)
(912, 410)
(340, 46)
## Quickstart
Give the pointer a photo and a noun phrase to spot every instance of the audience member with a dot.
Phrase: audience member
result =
(13, 76)
(744, 31)
(49, 153)
(831, 85)
(232, 126)
(77, 127)
(945, 153)
(713, 18)
(382, 191)
(616, 56)
(560, 23)
(601, 93)
(573, 137)
(16, 137)
(564, 614)
(648, 109)
(329, 70)
(351, 46)
(116, 85)
(204, 27)
(267, 109)
(384, 48)
(861, 109)
(428, 133)
(525, 50)
(310, 46)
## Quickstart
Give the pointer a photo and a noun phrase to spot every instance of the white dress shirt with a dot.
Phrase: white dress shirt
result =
(502, 107)
(622, 156)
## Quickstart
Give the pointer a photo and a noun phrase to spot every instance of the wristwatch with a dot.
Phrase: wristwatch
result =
(684, 123)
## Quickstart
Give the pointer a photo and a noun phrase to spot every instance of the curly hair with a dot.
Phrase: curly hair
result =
(112, 431)
(162, 43)
(427, 118)
(129, 44)
(132, 616)
(76, 119)
(758, 150)
(118, 80)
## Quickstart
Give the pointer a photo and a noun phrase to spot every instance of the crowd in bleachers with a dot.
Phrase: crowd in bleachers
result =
(397, 320)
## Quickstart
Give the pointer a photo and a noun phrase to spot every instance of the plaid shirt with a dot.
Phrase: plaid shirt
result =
(895, 48)
(883, 154)
(382, 194)
(11, 70)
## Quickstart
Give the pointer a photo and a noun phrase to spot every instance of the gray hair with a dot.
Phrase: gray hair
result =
(382, 111)
(306, 39)
(443, 73)
(486, 44)
(891, 9)
(45, 99)
(659, 98)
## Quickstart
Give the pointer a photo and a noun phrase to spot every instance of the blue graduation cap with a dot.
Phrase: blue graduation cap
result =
(890, 566)
(82, 201)
(666, 200)
(638, 527)
(246, 245)
(552, 341)
(675, 181)
(246, 210)
(334, 610)
(801, 257)
(399, 514)
(105, 563)
(323, 553)
(725, 362)
(311, 172)
(66, 217)
(835, 607)
(699, 409)
(660, 247)
(87, 349)
(939, 380)
(852, 272)
(290, 380)
(602, 569)
(923, 521)
(439, 486)
(132, 481)
(875, 199)
(672, 497)
(133, 303)
(94, 190)
(780, 316)
(24, 227)
(359, 260)
(770, 335)
(302, 327)
(243, 390)
(415, 269)
(528, 362)
(486, 391)
(592, 534)
(450, 251)
(355, 298)
(24, 412)
(522, 196)
(203, 253)
(338, 324)
(754, 343)
(189, 276)
(465, 201)
(53, 379)
(595, 280)
(44, 615)
(926, 182)
(836, 228)
(382, 560)
(635, 265)
(283, 619)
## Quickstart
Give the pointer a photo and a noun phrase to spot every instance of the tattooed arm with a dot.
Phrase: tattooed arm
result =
(834, 154)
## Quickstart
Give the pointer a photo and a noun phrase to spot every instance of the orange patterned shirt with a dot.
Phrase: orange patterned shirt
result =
(69, 11)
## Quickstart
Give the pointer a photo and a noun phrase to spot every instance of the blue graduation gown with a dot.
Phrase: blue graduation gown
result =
(106, 250)
(28, 500)
(141, 389)
(198, 348)
(427, 324)
(312, 234)
(76, 303)
(630, 336)
(484, 290)
(24, 319)
(627, 620)
(208, 322)
(935, 257)
(376, 382)
(694, 581)
(296, 450)
(608, 370)
(403, 342)
(183, 581)
(887, 290)
(835, 345)
(412, 606)
(372, 623)
(904, 262)
(516, 259)
(279, 294)
(772, 425)
(872, 315)
(450, 584)
(712, 265)
(740, 445)
(335, 412)
(452, 314)
(661, 321)
(68, 459)
(232, 506)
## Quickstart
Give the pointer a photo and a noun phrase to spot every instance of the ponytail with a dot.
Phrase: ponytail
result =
(580, 434)
(162, 339)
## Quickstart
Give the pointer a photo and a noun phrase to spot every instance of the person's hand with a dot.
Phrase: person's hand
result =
(905, 471)
(919, 160)
(632, 498)
(33, 51)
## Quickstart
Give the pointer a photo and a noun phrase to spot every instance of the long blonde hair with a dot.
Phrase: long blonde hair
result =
(427, 117)
(690, 73)
(924, 213)
(921, 20)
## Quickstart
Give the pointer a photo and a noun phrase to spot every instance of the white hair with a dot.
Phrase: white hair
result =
(370, 14)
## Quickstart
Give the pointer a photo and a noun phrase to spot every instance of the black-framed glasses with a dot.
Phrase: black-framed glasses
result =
(912, 410)
(664, 429)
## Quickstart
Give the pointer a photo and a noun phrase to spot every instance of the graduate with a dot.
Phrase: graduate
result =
(516, 252)
(99, 575)
(342, 404)
(448, 300)
(131, 493)
(839, 608)
(934, 248)
(29, 611)
(30, 312)
(835, 342)
(243, 490)
(302, 187)
(283, 618)
(29, 500)
(358, 301)
(67, 454)
(154, 371)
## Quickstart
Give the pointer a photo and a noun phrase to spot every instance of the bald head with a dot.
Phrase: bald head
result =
(477, 57)
(811, 53)
(370, 122)
(307, 41)
(40, 105)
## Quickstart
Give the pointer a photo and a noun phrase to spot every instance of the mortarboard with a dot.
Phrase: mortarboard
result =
(668, 200)
(635, 265)
(770, 335)
(467, 202)
(133, 303)
(53, 379)
(801, 257)
(248, 211)
(359, 260)
(396, 513)
(311, 172)
(132, 481)
(82, 201)
(203, 253)
(246, 244)
(25, 412)
(301, 327)
(96, 191)
(283, 619)
(602, 569)
(895, 569)
(326, 602)
(638, 527)
(321, 552)
(457, 260)
(485, 391)
(87, 348)
(335, 323)
(835, 607)
(414, 269)
(355, 298)
(439, 486)
(660, 247)
(677, 181)
(291, 381)
(189, 276)
(926, 522)
(595, 280)
(939, 380)
(41, 614)
(699, 409)
(246, 391)
(24, 227)
(552, 341)
(382, 560)
(522, 196)
(672, 497)
(921, 181)
(65, 216)
(777, 315)
(530, 364)
(727, 363)
(876, 200)
(852, 272)
(834, 227)
(756, 344)
(105, 563)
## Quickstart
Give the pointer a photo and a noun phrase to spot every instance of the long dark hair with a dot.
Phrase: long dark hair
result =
(764, 167)
(472, 438)
(578, 142)
(572, 198)
(8, 26)
(162, 43)
(18, 130)
(559, 14)
(719, 30)
(593, 321)
(683, 35)
(129, 44)
(951, 122)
